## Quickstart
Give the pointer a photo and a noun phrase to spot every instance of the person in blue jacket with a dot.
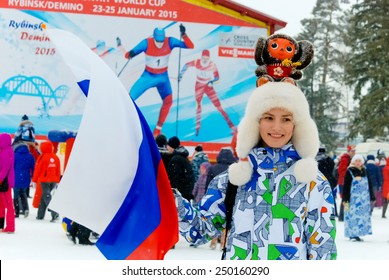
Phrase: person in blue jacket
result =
(24, 169)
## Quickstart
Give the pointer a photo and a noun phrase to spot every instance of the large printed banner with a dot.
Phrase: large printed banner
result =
(191, 68)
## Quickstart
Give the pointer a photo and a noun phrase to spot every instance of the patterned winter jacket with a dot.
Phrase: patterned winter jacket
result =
(274, 216)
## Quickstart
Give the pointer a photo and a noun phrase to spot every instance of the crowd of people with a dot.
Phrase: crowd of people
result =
(361, 183)
(27, 164)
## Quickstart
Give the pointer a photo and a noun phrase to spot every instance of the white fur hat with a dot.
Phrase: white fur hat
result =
(305, 135)
(356, 157)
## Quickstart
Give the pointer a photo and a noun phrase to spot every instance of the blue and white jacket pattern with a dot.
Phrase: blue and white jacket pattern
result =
(274, 216)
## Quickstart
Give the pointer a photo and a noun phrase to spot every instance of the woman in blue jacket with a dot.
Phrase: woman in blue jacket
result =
(24, 169)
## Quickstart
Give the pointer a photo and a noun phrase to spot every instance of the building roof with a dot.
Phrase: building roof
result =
(274, 23)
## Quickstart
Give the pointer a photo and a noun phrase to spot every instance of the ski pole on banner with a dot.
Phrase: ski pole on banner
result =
(128, 60)
(125, 65)
(178, 86)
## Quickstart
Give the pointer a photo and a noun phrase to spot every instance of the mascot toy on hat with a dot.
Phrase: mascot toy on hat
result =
(277, 89)
(280, 58)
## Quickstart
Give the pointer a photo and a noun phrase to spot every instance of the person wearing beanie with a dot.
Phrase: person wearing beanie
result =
(173, 142)
(179, 169)
(161, 142)
(198, 158)
(375, 179)
(344, 163)
(283, 208)
(358, 194)
(206, 75)
(25, 131)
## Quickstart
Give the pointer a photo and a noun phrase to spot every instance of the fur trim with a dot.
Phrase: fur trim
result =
(305, 136)
(305, 170)
(240, 172)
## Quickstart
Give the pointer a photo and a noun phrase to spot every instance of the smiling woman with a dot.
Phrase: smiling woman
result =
(276, 128)
(305, 138)
(283, 207)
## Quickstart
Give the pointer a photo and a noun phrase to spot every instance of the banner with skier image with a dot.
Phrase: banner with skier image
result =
(150, 45)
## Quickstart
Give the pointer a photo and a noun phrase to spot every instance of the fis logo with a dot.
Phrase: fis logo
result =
(27, 25)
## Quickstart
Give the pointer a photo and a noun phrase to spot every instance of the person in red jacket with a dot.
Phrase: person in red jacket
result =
(47, 173)
(344, 162)
(385, 188)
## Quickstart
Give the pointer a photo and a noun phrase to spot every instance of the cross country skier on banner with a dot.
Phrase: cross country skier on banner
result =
(157, 50)
(207, 74)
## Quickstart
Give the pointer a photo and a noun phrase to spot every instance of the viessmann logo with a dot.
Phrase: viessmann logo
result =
(26, 25)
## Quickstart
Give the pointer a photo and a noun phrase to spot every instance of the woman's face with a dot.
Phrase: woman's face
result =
(276, 127)
(358, 163)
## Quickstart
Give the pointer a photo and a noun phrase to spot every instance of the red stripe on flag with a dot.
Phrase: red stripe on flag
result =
(163, 238)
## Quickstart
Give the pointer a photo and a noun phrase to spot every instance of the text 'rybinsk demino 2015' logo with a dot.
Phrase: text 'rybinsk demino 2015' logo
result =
(26, 25)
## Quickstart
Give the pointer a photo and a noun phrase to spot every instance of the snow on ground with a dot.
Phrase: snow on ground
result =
(43, 240)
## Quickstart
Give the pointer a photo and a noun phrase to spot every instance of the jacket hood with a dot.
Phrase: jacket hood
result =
(26, 122)
(181, 150)
(320, 156)
(225, 156)
(21, 148)
(18, 144)
(47, 147)
(5, 140)
(370, 157)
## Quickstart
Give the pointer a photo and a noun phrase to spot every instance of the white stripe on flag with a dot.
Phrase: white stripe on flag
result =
(104, 157)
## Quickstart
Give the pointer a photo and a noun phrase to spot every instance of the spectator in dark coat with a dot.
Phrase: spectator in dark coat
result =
(198, 158)
(223, 160)
(326, 166)
(161, 141)
(200, 187)
(24, 169)
(380, 198)
(375, 177)
(26, 131)
(344, 163)
(179, 169)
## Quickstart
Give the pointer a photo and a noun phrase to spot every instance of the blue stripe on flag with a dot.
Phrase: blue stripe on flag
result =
(139, 215)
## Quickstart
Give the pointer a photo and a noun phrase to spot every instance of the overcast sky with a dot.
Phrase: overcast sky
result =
(290, 11)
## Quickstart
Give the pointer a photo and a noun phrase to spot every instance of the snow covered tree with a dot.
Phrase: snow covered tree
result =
(367, 68)
(323, 79)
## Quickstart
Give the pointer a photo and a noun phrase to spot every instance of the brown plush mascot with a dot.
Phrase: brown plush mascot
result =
(280, 58)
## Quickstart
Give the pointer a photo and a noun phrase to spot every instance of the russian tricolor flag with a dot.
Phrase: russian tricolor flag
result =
(115, 182)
